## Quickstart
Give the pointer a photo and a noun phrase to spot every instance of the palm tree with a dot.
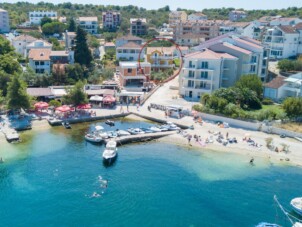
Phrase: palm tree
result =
(205, 98)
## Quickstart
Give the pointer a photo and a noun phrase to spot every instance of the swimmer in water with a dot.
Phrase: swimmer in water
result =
(104, 184)
(95, 195)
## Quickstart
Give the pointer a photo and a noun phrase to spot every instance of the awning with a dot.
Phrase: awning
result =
(96, 98)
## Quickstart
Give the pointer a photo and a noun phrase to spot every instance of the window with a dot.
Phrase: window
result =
(191, 64)
(254, 59)
(253, 68)
(204, 65)
(204, 75)
(129, 70)
(190, 83)
(191, 74)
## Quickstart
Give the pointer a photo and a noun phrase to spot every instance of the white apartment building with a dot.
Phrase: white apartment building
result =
(197, 16)
(205, 71)
(37, 44)
(177, 16)
(252, 55)
(36, 16)
(111, 20)
(4, 21)
(284, 41)
(42, 60)
(129, 52)
(282, 87)
(284, 21)
(20, 43)
(39, 60)
(89, 24)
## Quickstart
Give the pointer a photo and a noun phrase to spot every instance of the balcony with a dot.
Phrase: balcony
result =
(162, 57)
(198, 87)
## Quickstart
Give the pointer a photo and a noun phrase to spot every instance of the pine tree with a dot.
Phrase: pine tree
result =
(72, 25)
(82, 54)
(16, 94)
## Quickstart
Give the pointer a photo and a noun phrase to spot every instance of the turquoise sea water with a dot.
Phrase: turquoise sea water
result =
(48, 180)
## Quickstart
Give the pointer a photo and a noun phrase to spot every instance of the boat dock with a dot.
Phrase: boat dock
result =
(139, 138)
(10, 134)
(58, 122)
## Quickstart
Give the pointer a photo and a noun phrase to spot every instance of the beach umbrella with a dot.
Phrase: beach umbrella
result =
(84, 106)
(63, 108)
(109, 99)
(41, 105)
(96, 98)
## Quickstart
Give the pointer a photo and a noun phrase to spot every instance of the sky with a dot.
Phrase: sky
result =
(187, 4)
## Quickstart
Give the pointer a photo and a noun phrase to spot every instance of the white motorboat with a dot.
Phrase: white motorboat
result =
(155, 129)
(112, 134)
(110, 152)
(99, 130)
(296, 204)
(135, 131)
(123, 133)
(164, 128)
(93, 138)
(172, 127)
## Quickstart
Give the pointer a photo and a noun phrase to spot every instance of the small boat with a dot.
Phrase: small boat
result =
(154, 129)
(172, 127)
(66, 125)
(146, 130)
(296, 204)
(164, 128)
(94, 138)
(123, 133)
(265, 224)
(112, 134)
(135, 131)
(110, 123)
(110, 152)
(99, 132)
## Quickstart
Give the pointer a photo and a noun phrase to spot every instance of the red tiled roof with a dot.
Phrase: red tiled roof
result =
(288, 29)
(130, 45)
(209, 54)
(276, 83)
(298, 26)
(110, 44)
(236, 48)
(39, 54)
(26, 38)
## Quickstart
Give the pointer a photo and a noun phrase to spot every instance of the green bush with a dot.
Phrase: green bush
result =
(267, 101)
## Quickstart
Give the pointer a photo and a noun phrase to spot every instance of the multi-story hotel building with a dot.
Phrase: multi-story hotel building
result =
(36, 16)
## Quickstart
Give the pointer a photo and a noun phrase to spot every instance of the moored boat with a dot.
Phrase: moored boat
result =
(146, 130)
(135, 131)
(296, 204)
(99, 131)
(112, 134)
(110, 152)
(154, 129)
(93, 138)
(123, 133)
(66, 125)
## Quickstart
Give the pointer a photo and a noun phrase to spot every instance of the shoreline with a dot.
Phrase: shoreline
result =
(241, 148)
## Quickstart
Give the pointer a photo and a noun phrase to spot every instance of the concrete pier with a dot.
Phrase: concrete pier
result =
(57, 122)
(139, 138)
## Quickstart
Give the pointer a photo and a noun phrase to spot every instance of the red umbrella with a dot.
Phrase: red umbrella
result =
(41, 105)
(84, 106)
(63, 108)
(109, 99)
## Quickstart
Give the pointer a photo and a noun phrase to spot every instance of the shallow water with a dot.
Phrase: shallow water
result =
(49, 180)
